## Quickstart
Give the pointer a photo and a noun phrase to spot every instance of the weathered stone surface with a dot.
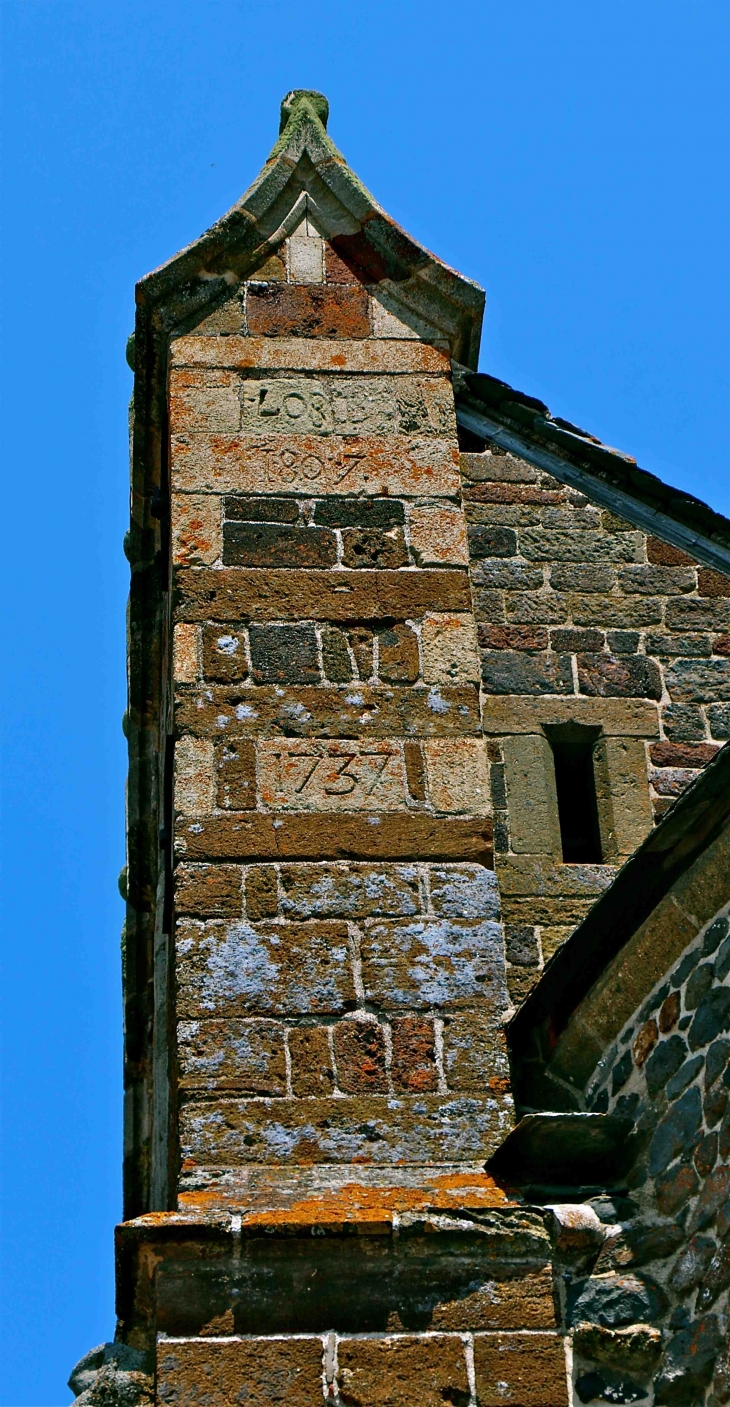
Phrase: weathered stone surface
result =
(688, 1363)
(281, 545)
(398, 660)
(297, 711)
(303, 354)
(449, 648)
(531, 795)
(260, 508)
(307, 464)
(475, 1052)
(235, 969)
(360, 1057)
(371, 548)
(676, 1132)
(380, 513)
(524, 1303)
(458, 775)
(615, 1300)
(699, 681)
(637, 1349)
(428, 964)
(363, 1129)
(269, 1370)
(692, 1263)
(616, 717)
(243, 593)
(336, 660)
(186, 653)
(349, 890)
(224, 653)
(196, 529)
(209, 891)
(525, 1369)
(622, 676)
(396, 1372)
(711, 1018)
(413, 1065)
(296, 310)
(512, 672)
(235, 773)
(607, 1386)
(194, 777)
(311, 1061)
(262, 893)
(284, 654)
(246, 1057)
(438, 536)
(341, 836)
(464, 892)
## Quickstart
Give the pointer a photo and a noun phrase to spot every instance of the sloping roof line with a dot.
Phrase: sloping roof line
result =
(306, 174)
(683, 834)
(492, 410)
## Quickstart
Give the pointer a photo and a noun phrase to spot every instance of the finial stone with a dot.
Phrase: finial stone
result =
(318, 101)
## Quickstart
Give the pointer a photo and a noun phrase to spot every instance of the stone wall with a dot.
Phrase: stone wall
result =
(583, 619)
(339, 962)
(667, 1255)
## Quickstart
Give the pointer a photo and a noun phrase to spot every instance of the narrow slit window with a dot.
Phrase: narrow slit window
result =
(575, 784)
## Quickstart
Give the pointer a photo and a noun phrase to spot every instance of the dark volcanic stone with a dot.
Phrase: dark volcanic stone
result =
(619, 676)
(715, 1191)
(514, 672)
(261, 510)
(717, 1058)
(664, 1062)
(621, 1072)
(684, 1077)
(711, 1018)
(688, 1363)
(687, 965)
(675, 1188)
(715, 1105)
(717, 1278)
(608, 1387)
(706, 1154)
(359, 512)
(714, 935)
(283, 654)
(277, 545)
(691, 1265)
(492, 542)
(614, 1300)
(676, 1132)
(521, 945)
(722, 961)
(698, 986)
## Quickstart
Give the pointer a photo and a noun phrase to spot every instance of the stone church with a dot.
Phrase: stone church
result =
(427, 948)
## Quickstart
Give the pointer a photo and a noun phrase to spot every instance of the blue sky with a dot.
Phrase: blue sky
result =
(571, 157)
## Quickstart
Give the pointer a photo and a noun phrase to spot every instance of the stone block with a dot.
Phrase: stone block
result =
(196, 529)
(251, 836)
(398, 658)
(224, 653)
(415, 771)
(512, 672)
(336, 660)
(194, 780)
(528, 1370)
(235, 775)
(583, 577)
(413, 1064)
(280, 545)
(531, 795)
(464, 891)
(448, 642)
(718, 717)
(242, 593)
(438, 536)
(242, 1057)
(268, 1371)
(236, 969)
(293, 310)
(360, 1057)
(300, 463)
(513, 637)
(475, 1053)
(622, 676)
(697, 613)
(284, 654)
(656, 581)
(573, 641)
(262, 893)
(260, 508)
(491, 542)
(573, 545)
(348, 405)
(333, 776)
(381, 1129)
(699, 681)
(402, 1371)
(311, 1062)
(204, 401)
(186, 654)
(501, 573)
(458, 775)
(306, 259)
(370, 547)
(622, 793)
(523, 1303)
(307, 354)
(361, 642)
(683, 722)
(496, 465)
(349, 890)
(362, 711)
(711, 583)
(664, 554)
(378, 513)
(693, 646)
(537, 608)
(432, 964)
(209, 891)
(616, 717)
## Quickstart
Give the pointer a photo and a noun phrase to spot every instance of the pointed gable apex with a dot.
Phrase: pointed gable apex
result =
(306, 176)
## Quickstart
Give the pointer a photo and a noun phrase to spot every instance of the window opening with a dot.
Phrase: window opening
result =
(575, 783)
